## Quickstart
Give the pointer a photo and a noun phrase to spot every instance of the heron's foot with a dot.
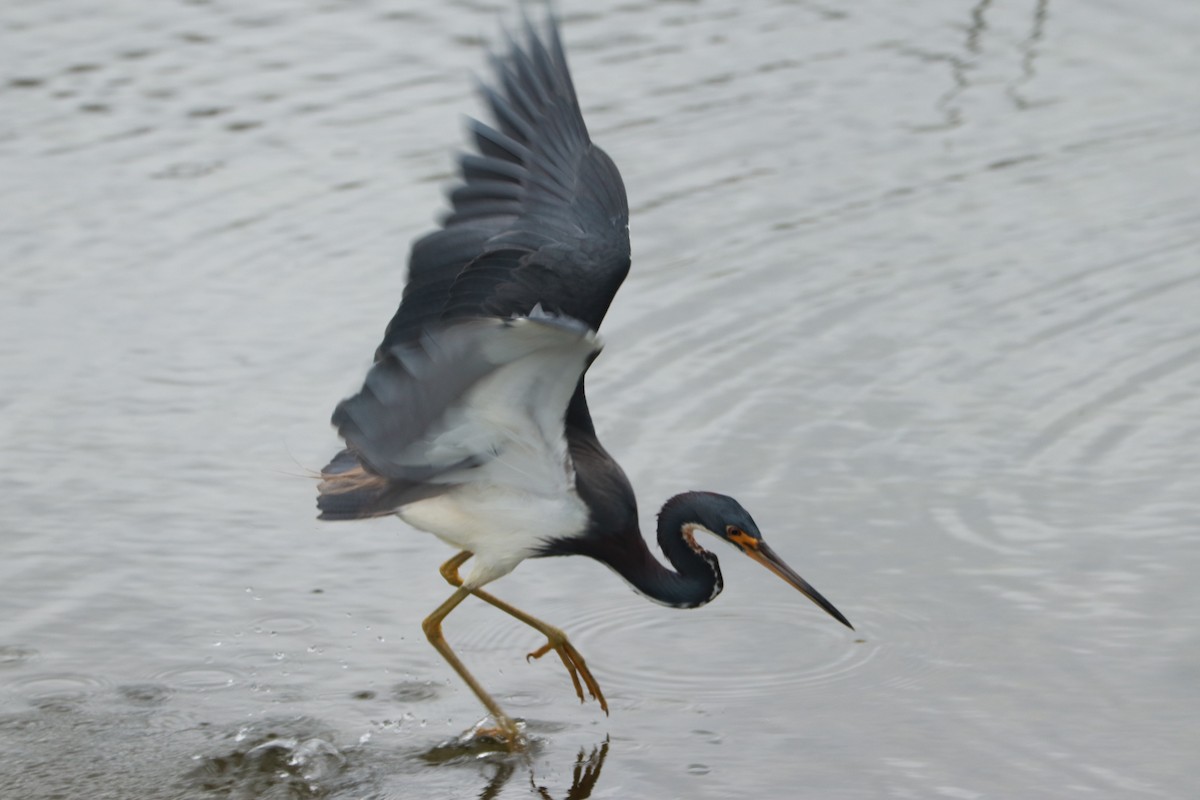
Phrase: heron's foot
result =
(505, 732)
(577, 668)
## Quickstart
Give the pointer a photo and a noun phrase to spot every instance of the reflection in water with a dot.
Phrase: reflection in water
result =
(297, 758)
(585, 775)
(472, 748)
(966, 363)
(978, 25)
(1031, 52)
(961, 67)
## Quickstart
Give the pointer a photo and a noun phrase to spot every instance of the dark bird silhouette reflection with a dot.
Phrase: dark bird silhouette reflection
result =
(585, 769)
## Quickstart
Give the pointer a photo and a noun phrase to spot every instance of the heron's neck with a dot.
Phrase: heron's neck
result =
(696, 579)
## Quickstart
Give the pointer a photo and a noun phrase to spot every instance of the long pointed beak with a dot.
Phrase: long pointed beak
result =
(764, 555)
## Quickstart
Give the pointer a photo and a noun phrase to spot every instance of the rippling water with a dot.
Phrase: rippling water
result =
(916, 281)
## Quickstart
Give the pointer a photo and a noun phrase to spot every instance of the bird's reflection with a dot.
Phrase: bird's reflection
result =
(472, 748)
(585, 774)
(504, 772)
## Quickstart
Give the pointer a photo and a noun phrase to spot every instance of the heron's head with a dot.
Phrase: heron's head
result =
(726, 519)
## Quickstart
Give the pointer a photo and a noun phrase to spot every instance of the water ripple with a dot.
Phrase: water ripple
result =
(200, 677)
(57, 689)
(775, 648)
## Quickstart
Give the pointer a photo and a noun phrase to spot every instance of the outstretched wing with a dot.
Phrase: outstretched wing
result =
(540, 218)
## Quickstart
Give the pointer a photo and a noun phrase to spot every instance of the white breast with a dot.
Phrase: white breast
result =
(471, 416)
(501, 525)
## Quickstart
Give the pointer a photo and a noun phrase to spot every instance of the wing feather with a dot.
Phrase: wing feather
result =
(484, 358)
(541, 216)
(471, 400)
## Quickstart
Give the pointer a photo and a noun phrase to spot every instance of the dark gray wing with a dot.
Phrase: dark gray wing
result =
(541, 215)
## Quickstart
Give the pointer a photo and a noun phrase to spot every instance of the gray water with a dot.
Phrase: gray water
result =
(918, 282)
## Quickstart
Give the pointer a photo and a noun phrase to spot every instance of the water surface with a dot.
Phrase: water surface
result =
(916, 281)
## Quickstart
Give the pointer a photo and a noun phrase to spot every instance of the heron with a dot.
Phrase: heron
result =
(473, 423)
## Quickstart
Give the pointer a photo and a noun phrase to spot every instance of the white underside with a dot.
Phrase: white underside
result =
(519, 490)
(501, 525)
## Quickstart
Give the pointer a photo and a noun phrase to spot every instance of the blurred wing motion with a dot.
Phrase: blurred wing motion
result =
(496, 326)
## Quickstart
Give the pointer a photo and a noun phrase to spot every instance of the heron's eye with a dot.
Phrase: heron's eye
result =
(733, 530)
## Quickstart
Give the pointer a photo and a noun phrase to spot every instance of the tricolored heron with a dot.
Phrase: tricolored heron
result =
(473, 424)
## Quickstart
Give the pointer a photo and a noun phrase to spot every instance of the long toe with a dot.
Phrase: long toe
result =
(576, 667)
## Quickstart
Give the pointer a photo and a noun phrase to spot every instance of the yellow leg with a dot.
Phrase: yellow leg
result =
(433, 631)
(556, 640)
(449, 570)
